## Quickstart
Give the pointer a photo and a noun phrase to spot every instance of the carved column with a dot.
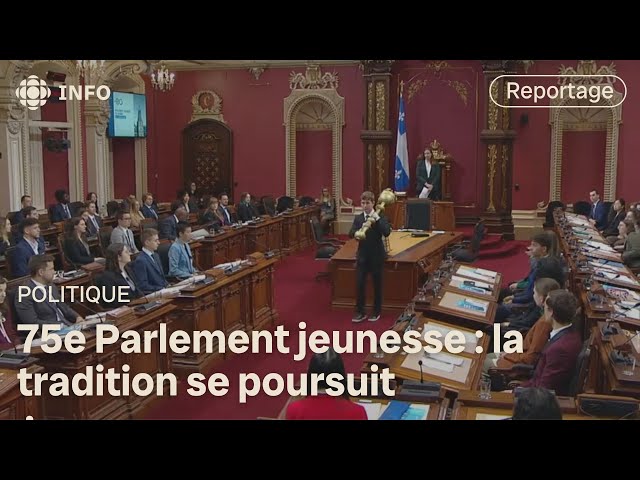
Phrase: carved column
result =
(497, 137)
(376, 135)
(99, 162)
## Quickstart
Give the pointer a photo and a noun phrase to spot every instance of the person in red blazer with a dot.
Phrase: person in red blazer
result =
(557, 364)
(325, 406)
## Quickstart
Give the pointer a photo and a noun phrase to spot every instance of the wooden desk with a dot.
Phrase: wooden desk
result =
(223, 247)
(264, 236)
(241, 301)
(469, 406)
(107, 407)
(402, 271)
(296, 228)
(405, 366)
(461, 272)
(607, 377)
(437, 408)
(13, 405)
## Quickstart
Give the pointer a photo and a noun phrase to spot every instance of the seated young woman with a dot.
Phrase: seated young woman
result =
(536, 337)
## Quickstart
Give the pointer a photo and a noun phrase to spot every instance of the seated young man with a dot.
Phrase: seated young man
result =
(557, 364)
(547, 265)
(535, 339)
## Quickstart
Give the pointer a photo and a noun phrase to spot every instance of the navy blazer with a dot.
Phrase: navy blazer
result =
(557, 364)
(148, 273)
(58, 214)
(168, 228)
(372, 247)
(21, 255)
(225, 213)
(149, 212)
(599, 214)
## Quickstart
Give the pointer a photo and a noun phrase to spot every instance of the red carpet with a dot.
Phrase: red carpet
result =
(299, 297)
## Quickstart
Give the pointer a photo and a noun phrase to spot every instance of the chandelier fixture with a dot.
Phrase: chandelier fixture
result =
(91, 68)
(161, 79)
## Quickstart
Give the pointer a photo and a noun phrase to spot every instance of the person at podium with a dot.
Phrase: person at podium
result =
(428, 177)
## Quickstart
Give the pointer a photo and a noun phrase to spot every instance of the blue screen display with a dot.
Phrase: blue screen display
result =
(128, 115)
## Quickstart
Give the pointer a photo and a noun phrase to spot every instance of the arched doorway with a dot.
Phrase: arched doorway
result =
(571, 116)
(207, 156)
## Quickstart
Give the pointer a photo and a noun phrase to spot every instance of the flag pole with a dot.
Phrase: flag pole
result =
(401, 195)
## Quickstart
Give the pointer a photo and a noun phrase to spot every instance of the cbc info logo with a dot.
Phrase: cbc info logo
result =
(34, 92)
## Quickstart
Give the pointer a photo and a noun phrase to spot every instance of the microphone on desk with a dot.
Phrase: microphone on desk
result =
(268, 252)
(420, 364)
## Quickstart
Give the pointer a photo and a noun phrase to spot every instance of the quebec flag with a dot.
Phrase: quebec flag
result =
(402, 154)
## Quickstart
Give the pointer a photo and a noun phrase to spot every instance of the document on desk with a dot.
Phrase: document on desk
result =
(613, 266)
(190, 280)
(600, 246)
(489, 416)
(472, 273)
(445, 358)
(438, 369)
(458, 282)
(620, 293)
(373, 409)
(471, 341)
(623, 308)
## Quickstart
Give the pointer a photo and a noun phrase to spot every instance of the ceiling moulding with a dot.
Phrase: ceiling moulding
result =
(244, 64)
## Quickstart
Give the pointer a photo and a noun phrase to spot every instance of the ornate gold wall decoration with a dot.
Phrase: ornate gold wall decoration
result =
(415, 87)
(588, 67)
(493, 108)
(313, 78)
(256, 72)
(505, 156)
(493, 154)
(436, 69)
(206, 104)
(585, 119)
(381, 110)
(370, 99)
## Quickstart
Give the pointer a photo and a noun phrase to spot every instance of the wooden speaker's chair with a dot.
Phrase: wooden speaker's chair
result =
(419, 214)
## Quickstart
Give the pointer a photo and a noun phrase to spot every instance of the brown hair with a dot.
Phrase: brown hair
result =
(38, 262)
(146, 234)
(368, 196)
(544, 286)
(563, 305)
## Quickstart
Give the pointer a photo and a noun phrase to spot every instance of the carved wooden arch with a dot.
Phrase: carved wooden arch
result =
(613, 109)
(292, 105)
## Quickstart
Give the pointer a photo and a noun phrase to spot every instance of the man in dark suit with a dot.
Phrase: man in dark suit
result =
(616, 215)
(147, 266)
(598, 214)
(148, 208)
(29, 245)
(40, 304)
(93, 220)
(428, 177)
(370, 256)
(224, 209)
(246, 210)
(168, 226)
(547, 265)
(557, 364)
(25, 202)
(61, 210)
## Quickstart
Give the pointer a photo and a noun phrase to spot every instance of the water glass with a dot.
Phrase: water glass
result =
(630, 370)
(485, 388)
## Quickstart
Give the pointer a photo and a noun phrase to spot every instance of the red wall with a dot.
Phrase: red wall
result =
(582, 157)
(438, 111)
(254, 111)
(55, 164)
(313, 162)
(532, 147)
(124, 167)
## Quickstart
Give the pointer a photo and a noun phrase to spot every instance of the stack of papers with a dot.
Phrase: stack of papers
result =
(442, 361)
(471, 341)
